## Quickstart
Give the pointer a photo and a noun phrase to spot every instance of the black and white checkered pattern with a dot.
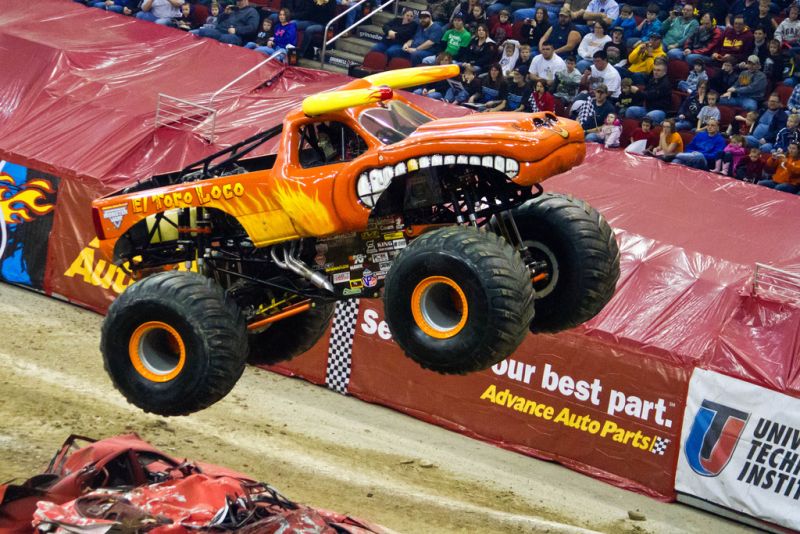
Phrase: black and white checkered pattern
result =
(660, 446)
(340, 349)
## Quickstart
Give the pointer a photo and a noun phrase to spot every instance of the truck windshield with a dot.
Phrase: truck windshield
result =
(392, 123)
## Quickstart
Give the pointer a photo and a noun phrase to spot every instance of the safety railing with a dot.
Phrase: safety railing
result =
(327, 42)
(777, 283)
(180, 114)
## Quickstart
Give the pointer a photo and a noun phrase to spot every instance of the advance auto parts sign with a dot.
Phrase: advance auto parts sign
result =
(740, 448)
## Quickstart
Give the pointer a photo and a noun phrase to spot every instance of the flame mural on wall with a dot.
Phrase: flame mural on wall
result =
(27, 200)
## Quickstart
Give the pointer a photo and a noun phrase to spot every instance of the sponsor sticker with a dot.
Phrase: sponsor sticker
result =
(383, 256)
(351, 291)
(370, 280)
(341, 278)
(116, 214)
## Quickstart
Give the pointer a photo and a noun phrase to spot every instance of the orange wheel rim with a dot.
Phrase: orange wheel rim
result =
(439, 307)
(157, 351)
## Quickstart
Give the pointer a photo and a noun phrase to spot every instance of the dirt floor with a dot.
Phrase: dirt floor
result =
(316, 446)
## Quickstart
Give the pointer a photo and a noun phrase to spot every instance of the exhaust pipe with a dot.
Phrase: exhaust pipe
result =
(290, 263)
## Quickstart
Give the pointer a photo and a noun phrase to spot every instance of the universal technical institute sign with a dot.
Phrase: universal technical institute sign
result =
(740, 448)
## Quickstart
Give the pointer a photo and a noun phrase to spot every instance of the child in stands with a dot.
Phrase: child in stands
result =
(751, 170)
(698, 73)
(567, 82)
(503, 28)
(627, 97)
(709, 111)
(610, 132)
(731, 157)
(264, 38)
(744, 125)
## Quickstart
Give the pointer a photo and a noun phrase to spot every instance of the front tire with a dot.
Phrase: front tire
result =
(173, 343)
(579, 254)
(458, 300)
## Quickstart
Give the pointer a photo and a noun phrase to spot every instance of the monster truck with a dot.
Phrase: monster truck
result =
(242, 256)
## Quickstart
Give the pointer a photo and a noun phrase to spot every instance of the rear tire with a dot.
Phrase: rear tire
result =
(173, 343)
(581, 254)
(458, 300)
(291, 337)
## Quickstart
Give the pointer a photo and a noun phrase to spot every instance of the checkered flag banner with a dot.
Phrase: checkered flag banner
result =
(586, 111)
(660, 446)
(340, 348)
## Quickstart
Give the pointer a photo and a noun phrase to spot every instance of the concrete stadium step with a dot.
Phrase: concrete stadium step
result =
(343, 59)
(410, 4)
(382, 18)
(372, 32)
(354, 45)
(314, 64)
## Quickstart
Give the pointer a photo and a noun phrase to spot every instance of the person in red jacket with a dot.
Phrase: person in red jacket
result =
(540, 99)
(737, 42)
(704, 41)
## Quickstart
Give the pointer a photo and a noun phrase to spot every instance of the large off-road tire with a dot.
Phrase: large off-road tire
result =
(458, 300)
(582, 257)
(290, 337)
(173, 343)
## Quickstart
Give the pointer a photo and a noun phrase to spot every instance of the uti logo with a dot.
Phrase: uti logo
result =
(713, 438)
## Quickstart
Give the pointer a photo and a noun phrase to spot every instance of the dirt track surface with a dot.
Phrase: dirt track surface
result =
(315, 446)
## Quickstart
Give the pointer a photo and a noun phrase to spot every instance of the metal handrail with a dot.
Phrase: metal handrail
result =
(228, 85)
(326, 42)
(776, 283)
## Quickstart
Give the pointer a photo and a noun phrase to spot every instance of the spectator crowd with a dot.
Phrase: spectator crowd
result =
(710, 84)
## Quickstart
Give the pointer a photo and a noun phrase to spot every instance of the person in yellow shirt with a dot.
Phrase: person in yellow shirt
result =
(642, 57)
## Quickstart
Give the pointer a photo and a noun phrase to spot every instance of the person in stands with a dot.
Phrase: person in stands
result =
(669, 144)
(657, 96)
(424, 43)
(787, 170)
(233, 24)
(492, 96)
(396, 33)
(164, 12)
(704, 149)
(751, 169)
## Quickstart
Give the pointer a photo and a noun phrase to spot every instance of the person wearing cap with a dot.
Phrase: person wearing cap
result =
(454, 39)
(616, 49)
(425, 42)
(700, 45)
(642, 58)
(749, 88)
(626, 22)
(563, 34)
(592, 112)
(736, 44)
(679, 26)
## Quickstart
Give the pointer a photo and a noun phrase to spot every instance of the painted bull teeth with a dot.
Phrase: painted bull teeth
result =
(400, 168)
(413, 165)
(500, 163)
(461, 160)
(488, 161)
(388, 174)
(424, 162)
(436, 160)
(449, 160)
(475, 160)
(512, 168)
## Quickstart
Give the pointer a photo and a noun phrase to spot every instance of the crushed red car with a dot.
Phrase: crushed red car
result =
(124, 484)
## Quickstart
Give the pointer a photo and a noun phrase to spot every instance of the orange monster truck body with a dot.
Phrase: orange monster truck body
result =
(358, 175)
